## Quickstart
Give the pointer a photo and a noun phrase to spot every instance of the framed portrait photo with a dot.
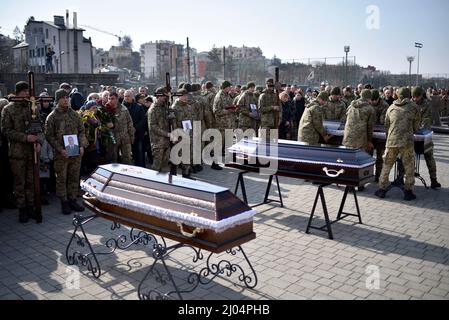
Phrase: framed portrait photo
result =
(71, 145)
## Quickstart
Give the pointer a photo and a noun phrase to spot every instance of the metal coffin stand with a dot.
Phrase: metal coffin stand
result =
(152, 236)
(423, 144)
(352, 168)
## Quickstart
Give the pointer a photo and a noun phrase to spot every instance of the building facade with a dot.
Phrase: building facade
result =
(73, 52)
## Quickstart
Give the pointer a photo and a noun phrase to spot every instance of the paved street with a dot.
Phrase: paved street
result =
(407, 243)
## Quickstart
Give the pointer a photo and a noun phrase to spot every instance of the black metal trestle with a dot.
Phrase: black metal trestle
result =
(341, 214)
(267, 200)
(216, 266)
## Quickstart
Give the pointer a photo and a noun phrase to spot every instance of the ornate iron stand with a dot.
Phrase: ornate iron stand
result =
(341, 214)
(267, 200)
(160, 252)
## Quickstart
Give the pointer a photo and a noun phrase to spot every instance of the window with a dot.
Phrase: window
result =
(54, 40)
(46, 33)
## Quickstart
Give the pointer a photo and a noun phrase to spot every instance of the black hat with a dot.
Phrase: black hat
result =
(188, 87)
(60, 93)
(209, 85)
(336, 91)
(20, 86)
(161, 92)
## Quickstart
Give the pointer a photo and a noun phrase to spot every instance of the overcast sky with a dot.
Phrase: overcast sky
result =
(289, 29)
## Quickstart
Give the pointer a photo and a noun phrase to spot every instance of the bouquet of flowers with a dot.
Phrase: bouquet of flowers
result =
(91, 123)
(107, 117)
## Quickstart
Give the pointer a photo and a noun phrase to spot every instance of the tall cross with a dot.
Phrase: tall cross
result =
(35, 128)
(35, 125)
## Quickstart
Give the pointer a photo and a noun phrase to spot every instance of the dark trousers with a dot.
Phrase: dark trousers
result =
(138, 154)
(6, 177)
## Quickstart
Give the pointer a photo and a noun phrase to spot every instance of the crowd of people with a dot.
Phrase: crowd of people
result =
(132, 126)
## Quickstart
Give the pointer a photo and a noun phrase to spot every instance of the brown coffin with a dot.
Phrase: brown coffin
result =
(423, 138)
(190, 212)
(318, 163)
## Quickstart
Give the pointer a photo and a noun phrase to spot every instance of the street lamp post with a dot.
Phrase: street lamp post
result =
(419, 46)
(347, 50)
(410, 60)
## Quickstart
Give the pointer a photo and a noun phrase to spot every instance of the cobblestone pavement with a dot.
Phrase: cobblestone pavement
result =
(407, 243)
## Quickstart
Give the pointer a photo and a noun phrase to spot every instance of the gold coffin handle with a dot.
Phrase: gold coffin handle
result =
(89, 198)
(333, 173)
(195, 232)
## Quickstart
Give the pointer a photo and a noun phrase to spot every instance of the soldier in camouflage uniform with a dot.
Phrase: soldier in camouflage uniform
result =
(268, 107)
(208, 98)
(160, 131)
(64, 121)
(183, 111)
(224, 111)
(311, 127)
(198, 105)
(335, 109)
(360, 123)
(401, 122)
(247, 111)
(426, 123)
(123, 132)
(380, 108)
(16, 118)
(348, 96)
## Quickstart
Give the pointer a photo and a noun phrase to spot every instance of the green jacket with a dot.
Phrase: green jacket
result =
(401, 122)
(311, 126)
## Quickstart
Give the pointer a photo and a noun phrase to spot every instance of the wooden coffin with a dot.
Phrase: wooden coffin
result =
(317, 163)
(423, 138)
(191, 212)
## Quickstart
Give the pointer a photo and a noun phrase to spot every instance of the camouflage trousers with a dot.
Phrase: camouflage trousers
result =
(408, 159)
(125, 150)
(380, 151)
(431, 164)
(67, 173)
(22, 170)
(266, 132)
(161, 156)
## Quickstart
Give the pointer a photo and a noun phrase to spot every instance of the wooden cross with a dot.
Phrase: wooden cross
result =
(35, 128)
(35, 125)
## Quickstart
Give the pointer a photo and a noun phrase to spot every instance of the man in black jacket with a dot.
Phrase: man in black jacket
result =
(137, 113)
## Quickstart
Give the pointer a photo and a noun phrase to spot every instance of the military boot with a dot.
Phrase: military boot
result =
(435, 184)
(198, 168)
(409, 195)
(75, 206)
(381, 193)
(31, 212)
(23, 215)
(65, 207)
(216, 167)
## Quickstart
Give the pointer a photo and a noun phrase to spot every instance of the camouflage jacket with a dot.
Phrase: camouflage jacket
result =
(159, 124)
(401, 122)
(425, 115)
(267, 101)
(62, 122)
(15, 120)
(225, 119)
(381, 111)
(359, 125)
(124, 129)
(311, 126)
(335, 111)
(244, 102)
(348, 100)
(182, 112)
(198, 105)
(209, 118)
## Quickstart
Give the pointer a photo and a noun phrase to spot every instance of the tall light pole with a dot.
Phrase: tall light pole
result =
(347, 50)
(410, 60)
(419, 46)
